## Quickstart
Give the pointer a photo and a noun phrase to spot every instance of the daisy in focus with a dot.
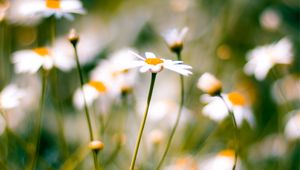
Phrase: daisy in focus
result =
(155, 64)
(57, 8)
(175, 37)
(30, 61)
(10, 97)
(263, 58)
(217, 110)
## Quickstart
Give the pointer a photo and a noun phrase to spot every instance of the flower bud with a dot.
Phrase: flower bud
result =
(208, 83)
(73, 36)
(96, 145)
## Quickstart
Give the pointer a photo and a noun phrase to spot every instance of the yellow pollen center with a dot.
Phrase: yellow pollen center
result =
(236, 98)
(154, 61)
(99, 86)
(53, 4)
(227, 153)
(41, 51)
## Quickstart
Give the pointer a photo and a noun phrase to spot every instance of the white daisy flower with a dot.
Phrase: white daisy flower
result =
(154, 64)
(263, 58)
(58, 8)
(92, 91)
(224, 160)
(217, 110)
(30, 61)
(115, 74)
(175, 37)
(292, 127)
(10, 97)
(209, 84)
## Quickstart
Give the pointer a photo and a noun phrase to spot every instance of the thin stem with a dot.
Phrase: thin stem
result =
(39, 120)
(57, 102)
(236, 131)
(85, 105)
(142, 126)
(177, 119)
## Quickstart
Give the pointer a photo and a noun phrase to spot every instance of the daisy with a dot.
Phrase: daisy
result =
(175, 37)
(217, 110)
(30, 61)
(292, 127)
(224, 160)
(91, 91)
(58, 8)
(209, 84)
(263, 58)
(113, 71)
(154, 64)
(10, 97)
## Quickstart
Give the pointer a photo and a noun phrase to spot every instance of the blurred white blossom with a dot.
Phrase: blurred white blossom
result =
(292, 127)
(263, 58)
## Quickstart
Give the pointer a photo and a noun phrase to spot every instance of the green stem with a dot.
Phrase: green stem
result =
(85, 105)
(236, 131)
(177, 119)
(142, 126)
(39, 120)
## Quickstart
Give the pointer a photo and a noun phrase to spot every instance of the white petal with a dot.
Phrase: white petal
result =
(150, 55)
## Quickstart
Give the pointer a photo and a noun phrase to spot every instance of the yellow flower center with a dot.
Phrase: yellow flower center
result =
(53, 4)
(98, 85)
(41, 51)
(227, 153)
(154, 61)
(236, 98)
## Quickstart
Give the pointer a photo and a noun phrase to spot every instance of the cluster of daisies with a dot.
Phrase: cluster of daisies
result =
(116, 75)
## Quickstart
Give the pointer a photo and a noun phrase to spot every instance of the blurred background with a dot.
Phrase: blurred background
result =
(221, 33)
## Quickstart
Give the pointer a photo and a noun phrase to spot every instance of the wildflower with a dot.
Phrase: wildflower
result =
(183, 163)
(3, 9)
(224, 160)
(270, 19)
(263, 58)
(292, 126)
(154, 64)
(114, 73)
(217, 110)
(96, 145)
(209, 84)
(30, 61)
(174, 38)
(91, 90)
(58, 8)
(10, 97)
(156, 136)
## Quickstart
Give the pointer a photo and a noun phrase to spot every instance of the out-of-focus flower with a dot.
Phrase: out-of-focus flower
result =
(154, 64)
(114, 73)
(58, 8)
(184, 163)
(10, 97)
(270, 19)
(217, 110)
(174, 38)
(163, 113)
(156, 136)
(272, 146)
(209, 84)
(96, 145)
(17, 14)
(3, 9)
(263, 58)
(287, 89)
(224, 160)
(92, 90)
(292, 127)
(30, 61)
(2, 124)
